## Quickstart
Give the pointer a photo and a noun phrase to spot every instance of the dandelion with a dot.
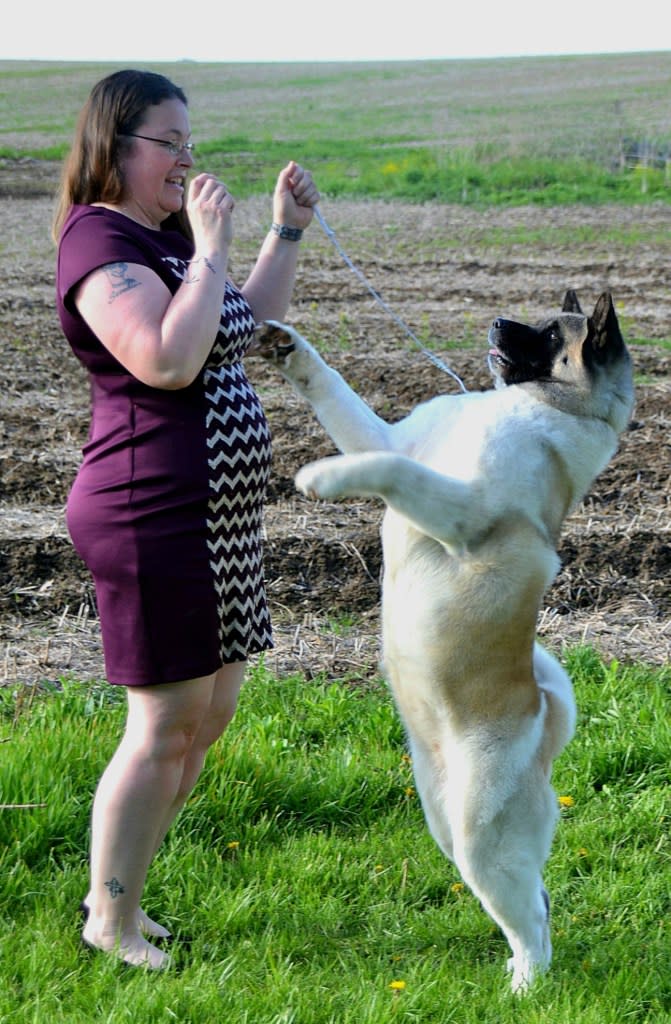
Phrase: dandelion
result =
(566, 801)
(397, 986)
(582, 852)
(409, 790)
(233, 845)
(457, 888)
(379, 868)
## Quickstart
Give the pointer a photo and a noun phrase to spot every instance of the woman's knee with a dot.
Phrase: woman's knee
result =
(227, 685)
(166, 721)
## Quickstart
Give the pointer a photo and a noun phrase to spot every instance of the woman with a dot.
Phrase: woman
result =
(166, 508)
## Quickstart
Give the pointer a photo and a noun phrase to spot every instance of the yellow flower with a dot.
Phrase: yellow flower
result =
(457, 887)
(397, 986)
(566, 801)
(409, 791)
(233, 845)
(582, 852)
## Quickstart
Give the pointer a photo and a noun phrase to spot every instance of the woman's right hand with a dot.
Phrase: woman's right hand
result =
(164, 339)
(210, 208)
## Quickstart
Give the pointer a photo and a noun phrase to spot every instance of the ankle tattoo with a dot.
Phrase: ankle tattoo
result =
(115, 887)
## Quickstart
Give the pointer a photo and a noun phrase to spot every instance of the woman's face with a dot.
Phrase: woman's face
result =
(154, 178)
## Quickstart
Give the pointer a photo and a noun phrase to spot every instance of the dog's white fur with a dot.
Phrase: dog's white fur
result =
(476, 488)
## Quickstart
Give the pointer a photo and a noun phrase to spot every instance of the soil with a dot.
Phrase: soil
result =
(443, 271)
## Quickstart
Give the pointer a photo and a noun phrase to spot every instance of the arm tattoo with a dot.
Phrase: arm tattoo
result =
(118, 277)
(115, 887)
(191, 276)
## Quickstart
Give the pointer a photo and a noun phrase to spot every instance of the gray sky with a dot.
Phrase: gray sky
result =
(269, 30)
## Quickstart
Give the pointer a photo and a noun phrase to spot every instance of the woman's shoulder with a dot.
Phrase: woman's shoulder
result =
(86, 224)
(99, 228)
(99, 218)
(78, 215)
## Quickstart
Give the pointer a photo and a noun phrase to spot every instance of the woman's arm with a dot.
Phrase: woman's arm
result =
(269, 287)
(164, 339)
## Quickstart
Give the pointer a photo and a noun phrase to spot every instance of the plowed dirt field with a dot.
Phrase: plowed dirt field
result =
(444, 271)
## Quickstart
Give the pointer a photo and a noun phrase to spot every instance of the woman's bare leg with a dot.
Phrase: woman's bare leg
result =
(134, 797)
(220, 710)
(227, 685)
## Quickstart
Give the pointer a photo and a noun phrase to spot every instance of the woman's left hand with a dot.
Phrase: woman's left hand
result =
(295, 196)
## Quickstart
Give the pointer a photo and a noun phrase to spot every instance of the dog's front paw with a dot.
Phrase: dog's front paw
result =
(319, 480)
(274, 342)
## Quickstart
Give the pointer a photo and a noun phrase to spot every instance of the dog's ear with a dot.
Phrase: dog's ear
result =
(607, 338)
(571, 304)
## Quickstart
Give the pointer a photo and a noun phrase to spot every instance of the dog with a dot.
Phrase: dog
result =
(476, 488)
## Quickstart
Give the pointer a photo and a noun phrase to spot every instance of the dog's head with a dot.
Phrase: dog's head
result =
(576, 362)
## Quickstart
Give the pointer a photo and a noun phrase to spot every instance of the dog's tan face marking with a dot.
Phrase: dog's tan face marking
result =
(562, 358)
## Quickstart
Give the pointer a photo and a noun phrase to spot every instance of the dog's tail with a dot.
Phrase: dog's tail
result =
(555, 683)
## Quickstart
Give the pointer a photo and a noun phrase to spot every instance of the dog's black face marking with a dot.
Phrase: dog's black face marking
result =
(520, 353)
(559, 349)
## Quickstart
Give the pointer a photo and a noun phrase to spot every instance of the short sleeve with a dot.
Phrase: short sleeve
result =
(89, 242)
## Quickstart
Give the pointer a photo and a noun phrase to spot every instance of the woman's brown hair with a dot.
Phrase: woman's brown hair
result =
(92, 171)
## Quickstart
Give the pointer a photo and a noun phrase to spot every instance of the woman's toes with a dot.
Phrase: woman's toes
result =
(133, 952)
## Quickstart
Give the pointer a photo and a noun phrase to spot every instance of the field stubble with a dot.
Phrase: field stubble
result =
(447, 272)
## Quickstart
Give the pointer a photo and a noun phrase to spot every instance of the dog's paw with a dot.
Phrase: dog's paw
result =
(524, 970)
(319, 480)
(274, 342)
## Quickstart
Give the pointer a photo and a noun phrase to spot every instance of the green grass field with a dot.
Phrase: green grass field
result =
(546, 130)
(301, 880)
(304, 883)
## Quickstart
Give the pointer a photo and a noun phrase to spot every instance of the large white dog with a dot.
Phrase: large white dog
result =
(477, 487)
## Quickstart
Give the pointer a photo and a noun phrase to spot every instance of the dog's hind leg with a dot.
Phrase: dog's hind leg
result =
(560, 724)
(431, 780)
(502, 861)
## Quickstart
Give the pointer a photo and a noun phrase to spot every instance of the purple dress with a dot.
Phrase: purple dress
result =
(166, 509)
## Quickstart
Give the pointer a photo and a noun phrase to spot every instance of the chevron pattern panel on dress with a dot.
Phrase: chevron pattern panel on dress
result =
(239, 454)
(238, 459)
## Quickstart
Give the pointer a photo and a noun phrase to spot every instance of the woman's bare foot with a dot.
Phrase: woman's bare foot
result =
(130, 948)
(151, 928)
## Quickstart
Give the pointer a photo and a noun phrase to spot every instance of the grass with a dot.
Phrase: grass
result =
(508, 131)
(301, 871)
(305, 878)
(425, 175)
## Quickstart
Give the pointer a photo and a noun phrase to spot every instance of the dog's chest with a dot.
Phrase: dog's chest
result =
(466, 436)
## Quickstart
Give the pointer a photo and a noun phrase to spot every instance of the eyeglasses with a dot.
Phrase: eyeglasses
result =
(174, 148)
